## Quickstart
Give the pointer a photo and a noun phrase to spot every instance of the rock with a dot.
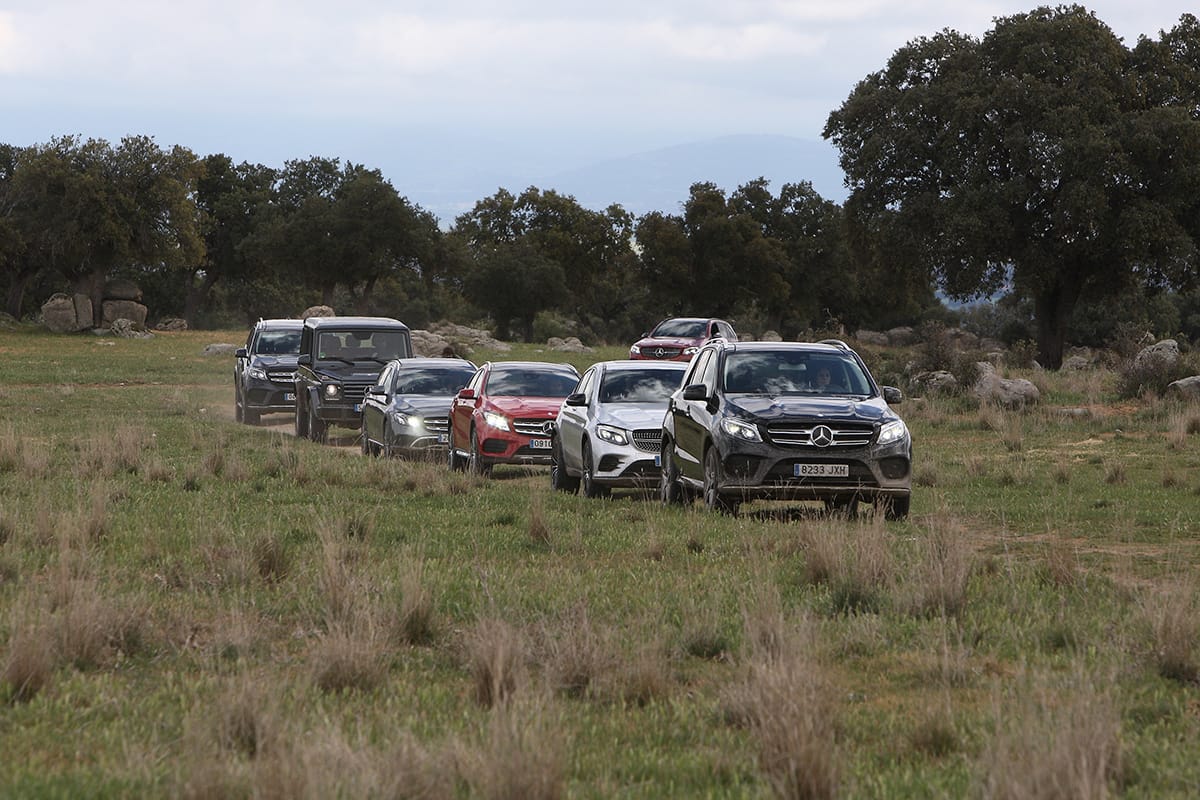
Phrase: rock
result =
(1076, 363)
(1011, 393)
(122, 289)
(429, 345)
(770, 336)
(962, 339)
(317, 311)
(7, 321)
(1185, 388)
(1163, 354)
(58, 314)
(83, 310)
(875, 338)
(472, 338)
(569, 345)
(113, 310)
(171, 324)
(219, 350)
(936, 382)
(898, 337)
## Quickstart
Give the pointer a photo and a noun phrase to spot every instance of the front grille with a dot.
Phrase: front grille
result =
(661, 352)
(437, 424)
(282, 377)
(355, 392)
(530, 427)
(799, 434)
(649, 440)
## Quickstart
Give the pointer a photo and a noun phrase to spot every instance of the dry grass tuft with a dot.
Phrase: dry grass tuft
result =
(941, 577)
(91, 630)
(12, 450)
(856, 562)
(935, 734)
(578, 656)
(539, 532)
(646, 676)
(656, 550)
(29, 663)
(1054, 742)
(703, 633)
(246, 720)
(417, 620)
(926, 476)
(523, 754)
(1062, 564)
(1063, 472)
(496, 654)
(1172, 617)
(348, 658)
(270, 558)
(1114, 473)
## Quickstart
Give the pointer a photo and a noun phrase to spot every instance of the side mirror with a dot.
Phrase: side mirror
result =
(892, 395)
(697, 391)
(466, 394)
(239, 353)
(576, 399)
(305, 360)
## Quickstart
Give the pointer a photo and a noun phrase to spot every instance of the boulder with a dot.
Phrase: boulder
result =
(219, 350)
(569, 345)
(1076, 363)
(471, 338)
(429, 345)
(1185, 388)
(1164, 354)
(962, 339)
(122, 289)
(58, 314)
(171, 324)
(126, 329)
(875, 338)
(113, 310)
(770, 336)
(898, 337)
(317, 311)
(1011, 393)
(938, 382)
(83, 310)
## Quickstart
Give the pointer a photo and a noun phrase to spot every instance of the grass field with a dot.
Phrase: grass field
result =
(194, 608)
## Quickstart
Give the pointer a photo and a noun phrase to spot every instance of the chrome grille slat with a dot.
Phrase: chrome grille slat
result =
(648, 441)
(530, 427)
(282, 377)
(437, 424)
(355, 391)
(800, 435)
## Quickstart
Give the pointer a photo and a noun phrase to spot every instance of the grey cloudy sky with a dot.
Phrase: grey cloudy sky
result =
(402, 85)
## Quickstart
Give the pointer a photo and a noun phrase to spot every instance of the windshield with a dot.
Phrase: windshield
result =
(681, 328)
(432, 380)
(640, 386)
(366, 345)
(530, 383)
(278, 343)
(793, 372)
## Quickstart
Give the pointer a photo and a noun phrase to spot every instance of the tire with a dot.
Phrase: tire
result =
(560, 481)
(475, 464)
(670, 491)
(896, 508)
(318, 431)
(587, 479)
(301, 421)
(713, 500)
(249, 415)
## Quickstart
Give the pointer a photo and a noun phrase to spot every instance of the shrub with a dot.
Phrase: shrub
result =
(496, 654)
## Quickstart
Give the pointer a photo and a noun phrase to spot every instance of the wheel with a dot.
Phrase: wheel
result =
(669, 488)
(588, 478)
(896, 508)
(318, 431)
(475, 464)
(365, 444)
(250, 416)
(301, 421)
(559, 479)
(713, 499)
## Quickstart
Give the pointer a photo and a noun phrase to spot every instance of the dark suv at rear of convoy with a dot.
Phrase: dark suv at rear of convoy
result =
(264, 371)
(785, 421)
(340, 359)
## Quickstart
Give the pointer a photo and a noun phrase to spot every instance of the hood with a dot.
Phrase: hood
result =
(632, 416)
(534, 407)
(668, 341)
(424, 405)
(267, 362)
(774, 409)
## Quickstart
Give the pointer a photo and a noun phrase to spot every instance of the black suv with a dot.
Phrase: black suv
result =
(340, 359)
(785, 421)
(264, 371)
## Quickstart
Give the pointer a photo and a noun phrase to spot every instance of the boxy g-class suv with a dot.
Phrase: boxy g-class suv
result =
(340, 359)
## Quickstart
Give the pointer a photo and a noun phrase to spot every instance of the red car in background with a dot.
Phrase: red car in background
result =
(504, 415)
(678, 338)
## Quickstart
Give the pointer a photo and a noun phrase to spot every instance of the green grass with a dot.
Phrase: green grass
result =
(197, 557)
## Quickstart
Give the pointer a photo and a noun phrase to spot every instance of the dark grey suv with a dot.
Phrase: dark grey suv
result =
(785, 421)
(264, 371)
(340, 359)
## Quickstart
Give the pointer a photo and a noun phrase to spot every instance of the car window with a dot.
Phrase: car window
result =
(698, 364)
(278, 343)
(431, 380)
(639, 386)
(530, 383)
(793, 372)
(585, 383)
(361, 345)
(708, 373)
(680, 328)
(385, 380)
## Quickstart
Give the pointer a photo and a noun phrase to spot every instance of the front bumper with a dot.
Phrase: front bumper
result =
(268, 397)
(510, 447)
(627, 466)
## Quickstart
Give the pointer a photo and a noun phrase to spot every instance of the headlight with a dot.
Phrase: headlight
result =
(405, 421)
(612, 435)
(892, 432)
(635, 350)
(740, 430)
(497, 421)
(691, 351)
(332, 390)
(258, 373)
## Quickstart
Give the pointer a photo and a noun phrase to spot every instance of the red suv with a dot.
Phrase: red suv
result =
(504, 415)
(678, 338)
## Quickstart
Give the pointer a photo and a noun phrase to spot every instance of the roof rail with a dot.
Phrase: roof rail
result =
(835, 343)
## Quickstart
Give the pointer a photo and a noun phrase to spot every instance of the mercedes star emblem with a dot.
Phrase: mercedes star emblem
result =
(822, 436)
(659, 352)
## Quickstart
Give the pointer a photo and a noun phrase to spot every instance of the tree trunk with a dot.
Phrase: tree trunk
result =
(1052, 309)
(327, 295)
(16, 293)
(196, 296)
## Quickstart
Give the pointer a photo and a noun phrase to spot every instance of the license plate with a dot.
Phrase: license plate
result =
(443, 438)
(357, 407)
(539, 444)
(821, 470)
(658, 461)
(289, 397)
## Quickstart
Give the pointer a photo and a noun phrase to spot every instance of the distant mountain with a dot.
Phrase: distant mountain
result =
(654, 180)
